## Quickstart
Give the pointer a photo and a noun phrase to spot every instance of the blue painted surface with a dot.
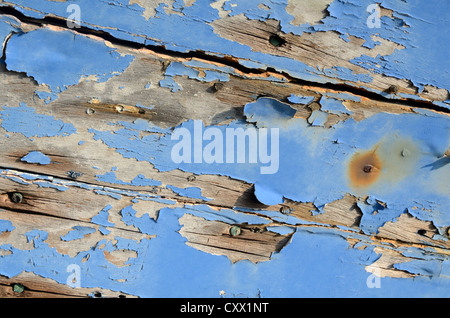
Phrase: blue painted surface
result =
(179, 69)
(102, 217)
(6, 226)
(313, 167)
(25, 120)
(333, 106)
(190, 192)
(400, 196)
(169, 82)
(37, 157)
(6, 28)
(61, 59)
(304, 100)
(166, 274)
(77, 233)
(140, 180)
(427, 137)
(409, 27)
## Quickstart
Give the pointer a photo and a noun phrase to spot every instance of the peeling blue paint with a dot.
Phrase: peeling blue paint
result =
(37, 157)
(425, 262)
(145, 223)
(333, 106)
(282, 230)
(200, 64)
(314, 160)
(190, 192)
(46, 184)
(103, 230)
(347, 74)
(266, 111)
(159, 200)
(304, 100)
(139, 180)
(64, 185)
(47, 262)
(193, 21)
(180, 69)
(267, 195)
(409, 26)
(78, 232)
(344, 96)
(102, 217)
(61, 59)
(6, 226)
(145, 107)
(309, 247)
(8, 25)
(169, 82)
(223, 215)
(318, 118)
(141, 124)
(46, 96)
(25, 120)
(302, 152)
(112, 195)
(375, 215)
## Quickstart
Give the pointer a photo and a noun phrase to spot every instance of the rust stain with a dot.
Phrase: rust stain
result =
(387, 163)
(134, 111)
(364, 168)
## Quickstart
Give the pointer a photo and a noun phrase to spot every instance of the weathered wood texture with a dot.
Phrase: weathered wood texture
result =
(93, 204)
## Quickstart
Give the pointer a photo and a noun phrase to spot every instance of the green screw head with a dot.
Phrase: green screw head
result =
(18, 288)
(16, 197)
(276, 40)
(235, 230)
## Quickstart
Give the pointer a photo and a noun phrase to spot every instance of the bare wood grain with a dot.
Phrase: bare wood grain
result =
(58, 211)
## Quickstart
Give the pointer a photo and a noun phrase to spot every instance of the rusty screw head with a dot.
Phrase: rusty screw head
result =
(191, 178)
(235, 230)
(16, 197)
(217, 86)
(97, 294)
(368, 168)
(393, 89)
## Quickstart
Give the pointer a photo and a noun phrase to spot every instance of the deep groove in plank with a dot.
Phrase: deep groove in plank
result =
(226, 60)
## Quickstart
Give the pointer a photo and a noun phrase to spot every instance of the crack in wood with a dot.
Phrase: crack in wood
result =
(225, 60)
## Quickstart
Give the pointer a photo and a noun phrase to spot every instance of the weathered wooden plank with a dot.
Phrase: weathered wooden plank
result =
(356, 47)
(88, 179)
(29, 285)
